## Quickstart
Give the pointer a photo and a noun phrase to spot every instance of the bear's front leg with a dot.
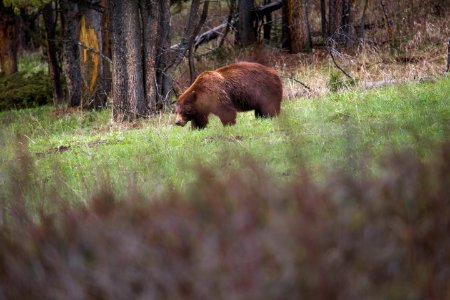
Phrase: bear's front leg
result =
(199, 122)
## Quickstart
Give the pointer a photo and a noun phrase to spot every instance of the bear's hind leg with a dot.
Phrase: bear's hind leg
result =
(268, 112)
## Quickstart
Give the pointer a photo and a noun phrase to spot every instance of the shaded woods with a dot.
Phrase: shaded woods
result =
(132, 56)
(242, 236)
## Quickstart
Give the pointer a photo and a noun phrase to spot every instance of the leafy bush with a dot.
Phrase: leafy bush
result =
(22, 90)
(240, 237)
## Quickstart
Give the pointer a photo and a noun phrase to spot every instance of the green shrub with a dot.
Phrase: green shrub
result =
(337, 82)
(23, 90)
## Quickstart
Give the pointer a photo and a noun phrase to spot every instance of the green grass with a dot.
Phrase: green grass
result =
(78, 152)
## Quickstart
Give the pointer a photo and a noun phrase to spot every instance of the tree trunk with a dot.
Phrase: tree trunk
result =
(297, 25)
(246, 31)
(347, 23)
(8, 40)
(285, 36)
(133, 39)
(156, 26)
(267, 28)
(306, 27)
(120, 105)
(388, 24)
(362, 21)
(323, 18)
(129, 102)
(71, 53)
(334, 16)
(106, 46)
(90, 37)
(50, 18)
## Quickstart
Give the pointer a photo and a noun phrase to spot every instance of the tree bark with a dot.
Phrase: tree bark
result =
(362, 21)
(267, 28)
(133, 40)
(129, 102)
(334, 16)
(50, 19)
(8, 40)
(91, 61)
(323, 18)
(156, 27)
(285, 36)
(246, 31)
(120, 106)
(306, 27)
(347, 23)
(297, 26)
(71, 53)
(106, 46)
(388, 24)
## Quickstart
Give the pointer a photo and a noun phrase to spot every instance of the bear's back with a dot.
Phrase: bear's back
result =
(248, 83)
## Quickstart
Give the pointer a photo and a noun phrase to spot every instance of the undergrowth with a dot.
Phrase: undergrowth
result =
(24, 90)
(239, 236)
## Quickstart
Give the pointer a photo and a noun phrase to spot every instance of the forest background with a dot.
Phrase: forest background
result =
(344, 196)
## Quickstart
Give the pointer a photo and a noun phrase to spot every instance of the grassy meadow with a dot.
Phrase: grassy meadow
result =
(148, 210)
(76, 153)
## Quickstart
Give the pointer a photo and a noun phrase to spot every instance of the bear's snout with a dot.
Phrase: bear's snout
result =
(179, 120)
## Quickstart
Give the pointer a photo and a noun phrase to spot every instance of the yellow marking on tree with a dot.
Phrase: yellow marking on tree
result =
(89, 38)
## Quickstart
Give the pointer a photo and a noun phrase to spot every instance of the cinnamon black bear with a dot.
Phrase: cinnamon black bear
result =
(223, 92)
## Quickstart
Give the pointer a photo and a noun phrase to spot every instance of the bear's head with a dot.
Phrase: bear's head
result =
(185, 108)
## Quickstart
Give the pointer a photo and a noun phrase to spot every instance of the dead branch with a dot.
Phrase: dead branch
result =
(179, 50)
(298, 81)
(263, 10)
(209, 35)
(376, 84)
(330, 48)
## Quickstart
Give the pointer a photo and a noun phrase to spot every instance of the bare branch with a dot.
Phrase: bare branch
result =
(298, 81)
(209, 35)
(262, 10)
(331, 48)
(94, 51)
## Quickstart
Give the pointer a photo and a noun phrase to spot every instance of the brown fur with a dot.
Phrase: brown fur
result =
(234, 88)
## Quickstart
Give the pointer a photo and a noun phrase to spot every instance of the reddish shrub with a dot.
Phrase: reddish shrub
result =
(245, 237)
